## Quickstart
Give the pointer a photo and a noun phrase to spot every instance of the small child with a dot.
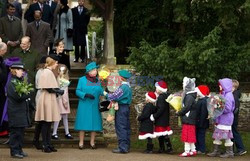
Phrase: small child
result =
(188, 117)
(223, 123)
(237, 138)
(146, 125)
(161, 117)
(18, 112)
(63, 102)
(202, 122)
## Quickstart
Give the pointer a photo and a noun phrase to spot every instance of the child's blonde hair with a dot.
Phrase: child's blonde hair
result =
(63, 72)
(235, 83)
(49, 62)
(13, 71)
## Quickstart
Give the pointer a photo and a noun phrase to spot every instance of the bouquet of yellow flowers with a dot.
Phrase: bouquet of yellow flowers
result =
(175, 101)
(23, 87)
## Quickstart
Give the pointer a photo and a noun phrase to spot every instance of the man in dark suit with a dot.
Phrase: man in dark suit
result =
(81, 19)
(47, 16)
(18, 7)
(39, 33)
(11, 29)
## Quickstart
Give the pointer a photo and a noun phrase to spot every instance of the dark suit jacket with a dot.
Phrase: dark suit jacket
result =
(80, 24)
(46, 17)
(10, 31)
(40, 38)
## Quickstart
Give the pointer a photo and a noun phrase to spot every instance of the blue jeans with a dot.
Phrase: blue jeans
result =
(122, 127)
(237, 138)
(200, 140)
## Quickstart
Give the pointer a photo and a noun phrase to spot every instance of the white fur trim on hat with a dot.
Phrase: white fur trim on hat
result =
(164, 133)
(145, 136)
(151, 99)
(199, 92)
(159, 88)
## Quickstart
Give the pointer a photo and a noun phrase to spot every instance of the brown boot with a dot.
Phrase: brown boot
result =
(216, 151)
(229, 152)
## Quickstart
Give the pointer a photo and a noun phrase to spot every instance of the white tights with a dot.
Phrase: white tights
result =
(65, 124)
(189, 147)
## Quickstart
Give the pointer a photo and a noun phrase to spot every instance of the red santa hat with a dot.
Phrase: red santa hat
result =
(162, 86)
(202, 90)
(151, 96)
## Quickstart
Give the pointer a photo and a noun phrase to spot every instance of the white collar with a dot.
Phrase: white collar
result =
(127, 83)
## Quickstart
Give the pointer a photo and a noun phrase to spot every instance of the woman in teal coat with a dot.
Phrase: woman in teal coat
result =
(88, 116)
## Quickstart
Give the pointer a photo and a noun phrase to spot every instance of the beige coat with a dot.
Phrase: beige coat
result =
(47, 106)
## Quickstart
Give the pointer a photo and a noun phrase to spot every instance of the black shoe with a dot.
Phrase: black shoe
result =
(52, 148)
(82, 61)
(68, 136)
(18, 156)
(81, 147)
(55, 137)
(24, 154)
(75, 60)
(119, 151)
(37, 145)
(93, 146)
(169, 151)
(46, 149)
(240, 153)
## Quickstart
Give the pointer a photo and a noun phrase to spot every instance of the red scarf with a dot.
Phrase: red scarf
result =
(91, 79)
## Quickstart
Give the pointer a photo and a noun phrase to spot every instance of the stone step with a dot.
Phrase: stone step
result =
(77, 72)
(62, 142)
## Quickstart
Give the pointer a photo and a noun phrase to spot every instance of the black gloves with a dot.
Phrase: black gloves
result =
(55, 90)
(90, 96)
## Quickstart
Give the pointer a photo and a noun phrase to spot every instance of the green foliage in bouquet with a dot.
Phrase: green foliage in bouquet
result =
(22, 87)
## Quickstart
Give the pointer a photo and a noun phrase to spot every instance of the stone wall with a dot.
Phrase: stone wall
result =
(139, 98)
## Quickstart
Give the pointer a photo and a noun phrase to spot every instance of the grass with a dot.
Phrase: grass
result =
(178, 146)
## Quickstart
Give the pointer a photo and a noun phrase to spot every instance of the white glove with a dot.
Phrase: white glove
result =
(105, 93)
(152, 118)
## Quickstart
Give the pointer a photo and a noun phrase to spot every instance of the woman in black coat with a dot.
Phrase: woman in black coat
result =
(18, 112)
(60, 53)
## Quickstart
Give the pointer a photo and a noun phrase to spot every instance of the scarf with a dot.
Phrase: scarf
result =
(91, 79)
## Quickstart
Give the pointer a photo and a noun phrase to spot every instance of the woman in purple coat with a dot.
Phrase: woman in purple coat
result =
(223, 123)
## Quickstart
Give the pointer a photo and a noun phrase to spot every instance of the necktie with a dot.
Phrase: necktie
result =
(11, 18)
(80, 10)
(41, 7)
(37, 25)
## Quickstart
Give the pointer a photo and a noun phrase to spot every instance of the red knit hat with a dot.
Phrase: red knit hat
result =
(162, 86)
(202, 90)
(151, 96)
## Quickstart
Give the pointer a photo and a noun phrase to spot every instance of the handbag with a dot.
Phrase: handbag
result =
(69, 32)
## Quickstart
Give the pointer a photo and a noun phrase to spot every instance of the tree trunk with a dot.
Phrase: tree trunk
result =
(109, 49)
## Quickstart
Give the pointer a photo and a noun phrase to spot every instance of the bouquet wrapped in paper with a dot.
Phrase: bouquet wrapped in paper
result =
(63, 83)
(215, 106)
(175, 101)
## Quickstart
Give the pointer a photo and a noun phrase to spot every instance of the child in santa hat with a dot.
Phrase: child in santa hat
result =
(161, 117)
(202, 121)
(188, 117)
(146, 125)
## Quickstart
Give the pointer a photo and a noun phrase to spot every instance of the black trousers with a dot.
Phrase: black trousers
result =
(38, 129)
(79, 53)
(46, 133)
(16, 140)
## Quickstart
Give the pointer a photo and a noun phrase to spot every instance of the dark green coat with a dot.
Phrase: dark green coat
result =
(30, 60)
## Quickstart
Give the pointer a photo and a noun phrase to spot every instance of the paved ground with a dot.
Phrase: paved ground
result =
(104, 154)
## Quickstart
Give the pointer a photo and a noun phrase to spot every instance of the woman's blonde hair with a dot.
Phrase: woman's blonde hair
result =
(49, 62)
(236, 83)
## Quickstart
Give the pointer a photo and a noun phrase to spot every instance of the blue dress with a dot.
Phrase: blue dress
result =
(88, 116)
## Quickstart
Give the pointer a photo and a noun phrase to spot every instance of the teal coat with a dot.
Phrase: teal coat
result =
(88, 116)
